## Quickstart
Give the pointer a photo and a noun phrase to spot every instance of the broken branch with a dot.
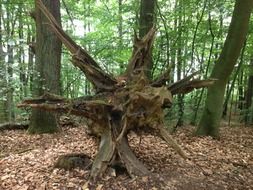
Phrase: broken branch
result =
(187, 85)
(82, 59)
(170, 141)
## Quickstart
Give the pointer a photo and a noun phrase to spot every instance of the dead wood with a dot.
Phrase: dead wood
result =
(131, 162)
(55, 103)
(132, 102)
(161, 80)
(73, 160)
(81, 59)
(141, 56)
(187, 85)
(13, 126)
(171, 142)
(104, 156)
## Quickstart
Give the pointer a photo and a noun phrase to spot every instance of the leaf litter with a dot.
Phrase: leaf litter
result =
(27, 161)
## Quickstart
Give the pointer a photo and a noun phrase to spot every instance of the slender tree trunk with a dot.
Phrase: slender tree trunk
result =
(87, 28)
(3, 82)
(179, 65)
(195, 34)
(21, 56)
(10, 88)
(11, 22)
(120, 34)
(229, 91)
(48, 58)
(31, 53)
(207, 68)
(249, 96)
(167, 39)
(209, 123)
(241, 90)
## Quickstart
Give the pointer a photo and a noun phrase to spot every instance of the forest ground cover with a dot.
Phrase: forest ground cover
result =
(26, 161)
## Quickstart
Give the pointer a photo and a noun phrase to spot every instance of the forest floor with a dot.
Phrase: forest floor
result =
(26, 161)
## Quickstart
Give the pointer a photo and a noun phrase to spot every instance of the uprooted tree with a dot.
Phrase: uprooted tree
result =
(131, 101)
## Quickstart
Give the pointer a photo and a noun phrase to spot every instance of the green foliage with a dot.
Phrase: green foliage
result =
(95, 25)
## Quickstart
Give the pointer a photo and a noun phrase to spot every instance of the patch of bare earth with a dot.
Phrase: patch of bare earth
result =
(26, 161)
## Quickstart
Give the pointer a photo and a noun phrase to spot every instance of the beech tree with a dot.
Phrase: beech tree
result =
(3, 82)
(48, 58)
(130, 101)
(249, 96)
(147, 14)
(209, 123)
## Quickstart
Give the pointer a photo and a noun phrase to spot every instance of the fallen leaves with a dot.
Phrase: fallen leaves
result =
(224, 164)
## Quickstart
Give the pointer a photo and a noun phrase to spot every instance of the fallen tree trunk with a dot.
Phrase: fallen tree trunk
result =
(13, 126)
(124, 103)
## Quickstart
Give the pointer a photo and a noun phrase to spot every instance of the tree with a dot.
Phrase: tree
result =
(179, 63)
(209, 123)
(7, 24)
(147, 15)
(3, 82)
(249, 95)
(232, 86)
(10, 26)
(131, 101)
(48, 57)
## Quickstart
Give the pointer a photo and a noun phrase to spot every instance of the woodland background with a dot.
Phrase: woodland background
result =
(190, 37)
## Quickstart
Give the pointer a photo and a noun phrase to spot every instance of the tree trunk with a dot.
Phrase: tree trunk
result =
(209, 123)
(230, 89)
(10, 88)
(147, 16)
(179, 65)
(249, 96)
(241, 90)
(10, 25)
(31, 51)
(21, 56)
(3, 82)
(48, 57)
(120, 35)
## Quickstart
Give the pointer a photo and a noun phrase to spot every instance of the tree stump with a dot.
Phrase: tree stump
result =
(131, 101)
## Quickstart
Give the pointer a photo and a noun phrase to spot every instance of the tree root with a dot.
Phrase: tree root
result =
(108, 151)
(131, 162)
(104, 156)
(170, 141)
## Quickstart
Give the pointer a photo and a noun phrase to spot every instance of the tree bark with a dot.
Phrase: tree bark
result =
(179, 66)
(147, 16)
(3, 82)
(249, 96)
(10, 25)
(230, 89)
(48, 58)
(209, 123)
